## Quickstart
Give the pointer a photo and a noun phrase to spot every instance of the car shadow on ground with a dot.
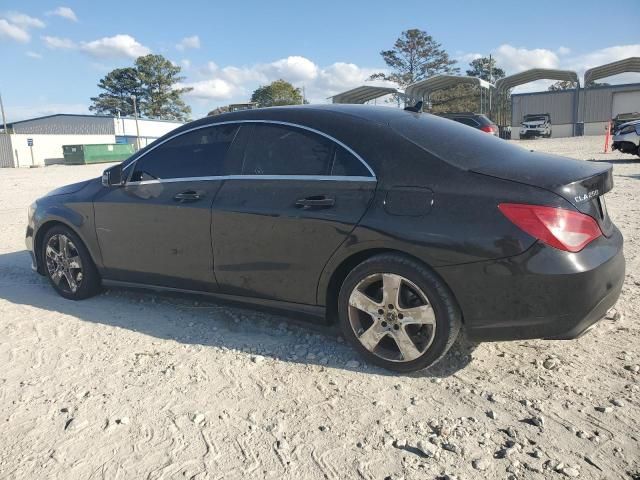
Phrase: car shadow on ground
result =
(199, 320)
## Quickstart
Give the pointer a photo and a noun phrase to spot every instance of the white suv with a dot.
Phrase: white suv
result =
(626, 138)
(536, 125)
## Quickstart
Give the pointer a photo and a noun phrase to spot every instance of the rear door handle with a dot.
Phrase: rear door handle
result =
(188, 196)
(316, 201)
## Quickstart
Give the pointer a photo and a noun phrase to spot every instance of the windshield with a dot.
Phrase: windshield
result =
(535, 118)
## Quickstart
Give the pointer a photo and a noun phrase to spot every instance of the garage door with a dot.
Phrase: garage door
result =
(626, 102)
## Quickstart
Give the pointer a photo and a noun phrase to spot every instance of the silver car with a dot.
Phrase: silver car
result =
(626, 138)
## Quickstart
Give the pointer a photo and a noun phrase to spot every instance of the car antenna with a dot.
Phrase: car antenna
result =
(416, 108)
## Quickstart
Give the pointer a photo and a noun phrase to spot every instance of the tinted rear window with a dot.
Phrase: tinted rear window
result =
(455, 143)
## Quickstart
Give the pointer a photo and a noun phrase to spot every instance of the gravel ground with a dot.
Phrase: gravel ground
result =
(140, 385)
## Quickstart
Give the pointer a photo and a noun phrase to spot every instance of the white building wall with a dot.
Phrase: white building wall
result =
(47, 149)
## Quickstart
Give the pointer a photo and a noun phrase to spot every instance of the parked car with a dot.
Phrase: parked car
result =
(626, 138)
(475, 120)
(536, 125)
(355, 214)
(622, 118)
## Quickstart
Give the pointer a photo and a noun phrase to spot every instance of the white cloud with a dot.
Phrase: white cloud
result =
(212, 89)
(603, 55)
(113, 47)
(467, 57)
(513, 60)
(103, 48)
(57, 43)
(237, 82)
(35, 55)
(24, 21)
(9, 30)
(563, 51)
(293, 69)
(186, 63)
(64, 12)
(188, 42)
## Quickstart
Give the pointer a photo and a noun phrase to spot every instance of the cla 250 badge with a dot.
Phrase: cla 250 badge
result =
(586, 196)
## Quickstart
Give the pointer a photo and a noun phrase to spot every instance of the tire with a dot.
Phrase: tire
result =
(426, 312)
(73, 267)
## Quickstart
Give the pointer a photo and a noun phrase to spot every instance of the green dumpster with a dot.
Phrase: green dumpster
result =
(96, 153)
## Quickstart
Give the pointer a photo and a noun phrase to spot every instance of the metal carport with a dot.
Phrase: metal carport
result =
(505, 84)
(422, 90)
(363, 94)
(631, 64)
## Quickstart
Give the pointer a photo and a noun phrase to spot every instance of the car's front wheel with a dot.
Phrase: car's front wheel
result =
(68, 265)
(397, 313)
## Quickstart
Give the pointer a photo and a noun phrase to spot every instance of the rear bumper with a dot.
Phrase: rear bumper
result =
(542, 293)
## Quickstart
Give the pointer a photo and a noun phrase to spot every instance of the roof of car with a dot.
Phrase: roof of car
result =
(304, 113)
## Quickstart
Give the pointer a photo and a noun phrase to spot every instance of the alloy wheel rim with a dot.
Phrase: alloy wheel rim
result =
(63, 263)
(392, 317)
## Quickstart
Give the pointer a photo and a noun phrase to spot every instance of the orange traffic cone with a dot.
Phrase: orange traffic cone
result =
(607, 137)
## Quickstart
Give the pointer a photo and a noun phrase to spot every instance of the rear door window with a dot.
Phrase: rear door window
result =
(345, 164)
(199, 153)
(284, 150)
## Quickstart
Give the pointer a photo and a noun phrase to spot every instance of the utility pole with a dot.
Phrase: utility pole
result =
(135, 115)
(4, 119)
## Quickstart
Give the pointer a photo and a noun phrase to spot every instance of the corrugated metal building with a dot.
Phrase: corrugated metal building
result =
(48, 134)
(600, 105)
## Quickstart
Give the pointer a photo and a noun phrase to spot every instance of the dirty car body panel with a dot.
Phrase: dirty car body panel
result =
(283, 235)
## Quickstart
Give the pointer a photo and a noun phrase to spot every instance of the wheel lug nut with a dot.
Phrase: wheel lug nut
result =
(396, 327)
(380, 311)
(390, 307)
(384, 324)
(400, 316)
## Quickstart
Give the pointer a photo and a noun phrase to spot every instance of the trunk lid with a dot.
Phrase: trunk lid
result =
(580, 182)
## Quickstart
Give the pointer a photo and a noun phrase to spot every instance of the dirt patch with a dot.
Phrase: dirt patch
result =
(139, 385)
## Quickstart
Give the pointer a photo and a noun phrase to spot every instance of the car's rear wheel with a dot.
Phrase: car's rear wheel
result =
(68, 265)
(397, 313)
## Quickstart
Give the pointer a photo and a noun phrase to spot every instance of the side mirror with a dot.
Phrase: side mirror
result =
(112, 176)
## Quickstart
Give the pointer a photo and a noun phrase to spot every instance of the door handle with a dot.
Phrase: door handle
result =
(188, 196)
(316, 201)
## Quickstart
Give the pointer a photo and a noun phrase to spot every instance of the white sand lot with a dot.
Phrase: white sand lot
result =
(131, 385)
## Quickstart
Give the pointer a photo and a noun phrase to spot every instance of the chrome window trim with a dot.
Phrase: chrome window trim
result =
(274, 122)
(335, 178)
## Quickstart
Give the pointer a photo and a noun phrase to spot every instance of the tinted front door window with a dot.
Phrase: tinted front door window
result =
(199, 153)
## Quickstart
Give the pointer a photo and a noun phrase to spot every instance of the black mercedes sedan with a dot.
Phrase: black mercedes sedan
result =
(403, 227)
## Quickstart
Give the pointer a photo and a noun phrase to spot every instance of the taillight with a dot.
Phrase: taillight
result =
(489, 129)
(563, 229)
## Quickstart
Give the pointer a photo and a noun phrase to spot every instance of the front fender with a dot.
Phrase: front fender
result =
(76, 215)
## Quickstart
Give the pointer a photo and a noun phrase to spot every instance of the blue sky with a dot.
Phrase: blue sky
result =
(53, 53)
